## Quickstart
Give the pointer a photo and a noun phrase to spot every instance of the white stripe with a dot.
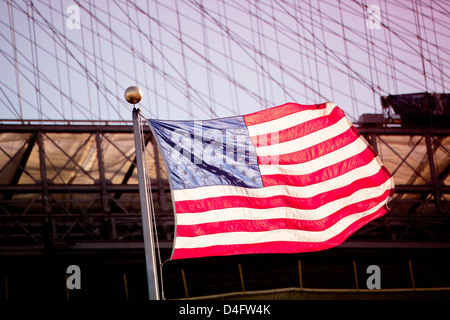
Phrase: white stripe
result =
(281, 212)
(294, 191)
(306, 141)
(316, 164)
(290, 120)
(235, 238)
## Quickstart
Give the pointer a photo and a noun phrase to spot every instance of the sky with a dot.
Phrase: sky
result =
(200, 59)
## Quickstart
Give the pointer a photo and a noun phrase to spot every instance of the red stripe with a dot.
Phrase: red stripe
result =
(281, 223)
(278, 112)
(277, 246)
(313, 152)
(323, 174)
(202, 205)
(299, 130)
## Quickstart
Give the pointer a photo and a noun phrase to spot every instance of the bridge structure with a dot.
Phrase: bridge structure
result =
(73, 187)
(68, 181)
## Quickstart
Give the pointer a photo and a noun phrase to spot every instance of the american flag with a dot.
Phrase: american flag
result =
(288, 179)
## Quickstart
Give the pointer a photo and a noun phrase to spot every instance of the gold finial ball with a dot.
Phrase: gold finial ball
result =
(133, 94)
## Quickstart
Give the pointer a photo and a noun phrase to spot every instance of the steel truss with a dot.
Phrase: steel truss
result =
(72, 187)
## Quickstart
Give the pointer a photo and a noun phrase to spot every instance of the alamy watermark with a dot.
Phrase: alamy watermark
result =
(374, 280)
(73, 21)
(73, 281)
(373, 20)
(233, 143)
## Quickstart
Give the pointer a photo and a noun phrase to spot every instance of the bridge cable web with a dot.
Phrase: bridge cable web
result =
(197, 59)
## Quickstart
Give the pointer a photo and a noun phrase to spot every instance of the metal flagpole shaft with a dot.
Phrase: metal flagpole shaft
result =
(147, 226)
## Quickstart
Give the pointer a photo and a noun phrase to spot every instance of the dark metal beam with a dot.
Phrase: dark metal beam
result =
(132, 166)
(419, 189)
(24, 159)
(101, 169)
(79, 128)
(443, 175)
(22, 163)
(394, 244)
(434, 175)
(43, 170)
(92, 128)
(80, 188)
(401, 131)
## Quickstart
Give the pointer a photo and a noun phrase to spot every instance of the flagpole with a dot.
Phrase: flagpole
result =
(134, 95)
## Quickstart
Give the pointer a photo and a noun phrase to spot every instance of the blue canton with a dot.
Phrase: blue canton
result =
(211, 152)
